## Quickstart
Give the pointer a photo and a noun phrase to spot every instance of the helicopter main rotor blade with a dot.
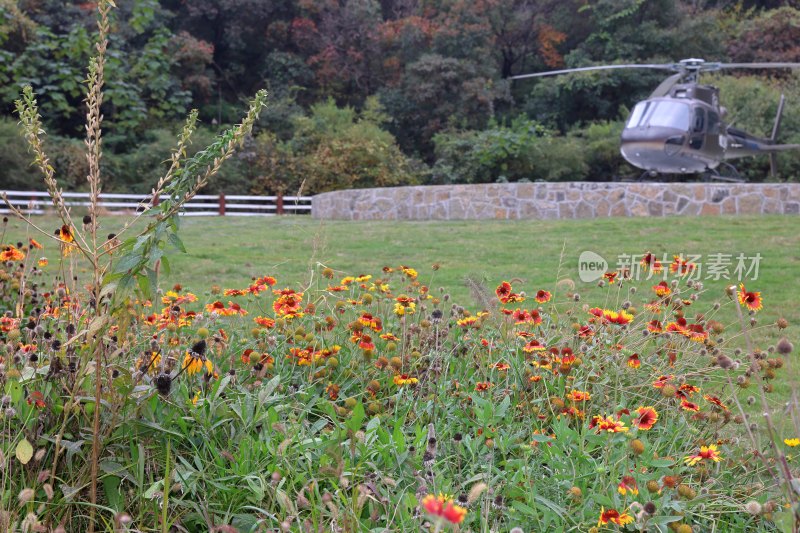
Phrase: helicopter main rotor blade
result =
(665, 86)
(588, 69)
(755, 65)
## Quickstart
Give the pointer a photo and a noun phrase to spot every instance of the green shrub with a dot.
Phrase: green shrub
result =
(525, 150)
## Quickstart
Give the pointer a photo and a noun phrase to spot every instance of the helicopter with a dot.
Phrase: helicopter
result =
(681, 127)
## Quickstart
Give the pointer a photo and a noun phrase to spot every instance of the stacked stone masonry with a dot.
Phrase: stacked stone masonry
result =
(557, 201)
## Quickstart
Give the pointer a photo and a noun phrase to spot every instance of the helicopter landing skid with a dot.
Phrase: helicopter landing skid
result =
(729, 174)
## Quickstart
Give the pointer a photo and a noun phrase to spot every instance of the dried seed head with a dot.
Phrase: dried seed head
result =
(753, 507)
(724, 362)
(784, 347)
(164, 384)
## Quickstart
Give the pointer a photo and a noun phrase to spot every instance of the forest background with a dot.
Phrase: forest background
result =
(367, 93)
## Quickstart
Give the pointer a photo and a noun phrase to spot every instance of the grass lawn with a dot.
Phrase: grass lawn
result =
(229, 251)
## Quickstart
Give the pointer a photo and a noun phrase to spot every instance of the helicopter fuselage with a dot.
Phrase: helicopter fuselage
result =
(678, 133)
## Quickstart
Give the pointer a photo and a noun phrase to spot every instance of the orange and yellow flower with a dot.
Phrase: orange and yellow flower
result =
(65, 234)
(611, 277)
(626, 485)
(264, 322)
(409, 272)
(681, 266)
(649, 261)
(524, 316)
(218, 308)
(611, 317)
(706, 453)
(194, 364)
(612, 516)
(716, 401)
(287, 303)
(645, 419)
(469, 322)
(35, 244)
(504, 294)
(607, 423)
(750, 300)
(662, 289)
(402, 380)
(11, 253)
(483, 386)
(579, 396)
(443, 507)
(543, 296)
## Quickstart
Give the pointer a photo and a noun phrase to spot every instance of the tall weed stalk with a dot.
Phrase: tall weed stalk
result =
(128, 261)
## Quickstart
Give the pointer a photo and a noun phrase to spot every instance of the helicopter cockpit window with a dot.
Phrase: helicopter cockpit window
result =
(670, 115)
(638, 114)
(699, 120)
(664, 114)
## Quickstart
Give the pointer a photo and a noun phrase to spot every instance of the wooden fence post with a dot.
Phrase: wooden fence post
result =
(222, 204)
(279, 204)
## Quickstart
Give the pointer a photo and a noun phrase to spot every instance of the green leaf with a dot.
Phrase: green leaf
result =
(524, 508)
(127, 262)
(24, 451)
(113, 494)
(356, 418)
(155, 490)
(267, 390)
(176, 242)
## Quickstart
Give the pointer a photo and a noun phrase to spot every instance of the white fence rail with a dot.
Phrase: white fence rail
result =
(37, 203)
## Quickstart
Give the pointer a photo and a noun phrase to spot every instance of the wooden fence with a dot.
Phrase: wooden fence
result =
(37, 203)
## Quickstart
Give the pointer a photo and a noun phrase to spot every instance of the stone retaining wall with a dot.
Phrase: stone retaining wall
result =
(556, 200)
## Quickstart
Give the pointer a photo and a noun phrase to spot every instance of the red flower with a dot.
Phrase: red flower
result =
(663, 380)
(706, 452)
(505, 295)
(716, 401)
(543, 296)
(646, 419)
(444, 507)
(633, 361)
(36, 399)
(750, 300)
(626, 485)
(681, 266)
(611, 277)
(650, 261)
(613, 516)
(524, 316)
(689, 406)
(607, 424)
(662, 289)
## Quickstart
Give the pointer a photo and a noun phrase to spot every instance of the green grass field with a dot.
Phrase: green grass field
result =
(229, 251)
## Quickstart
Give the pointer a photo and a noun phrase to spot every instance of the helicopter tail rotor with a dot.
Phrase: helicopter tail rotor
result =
(773, 157)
